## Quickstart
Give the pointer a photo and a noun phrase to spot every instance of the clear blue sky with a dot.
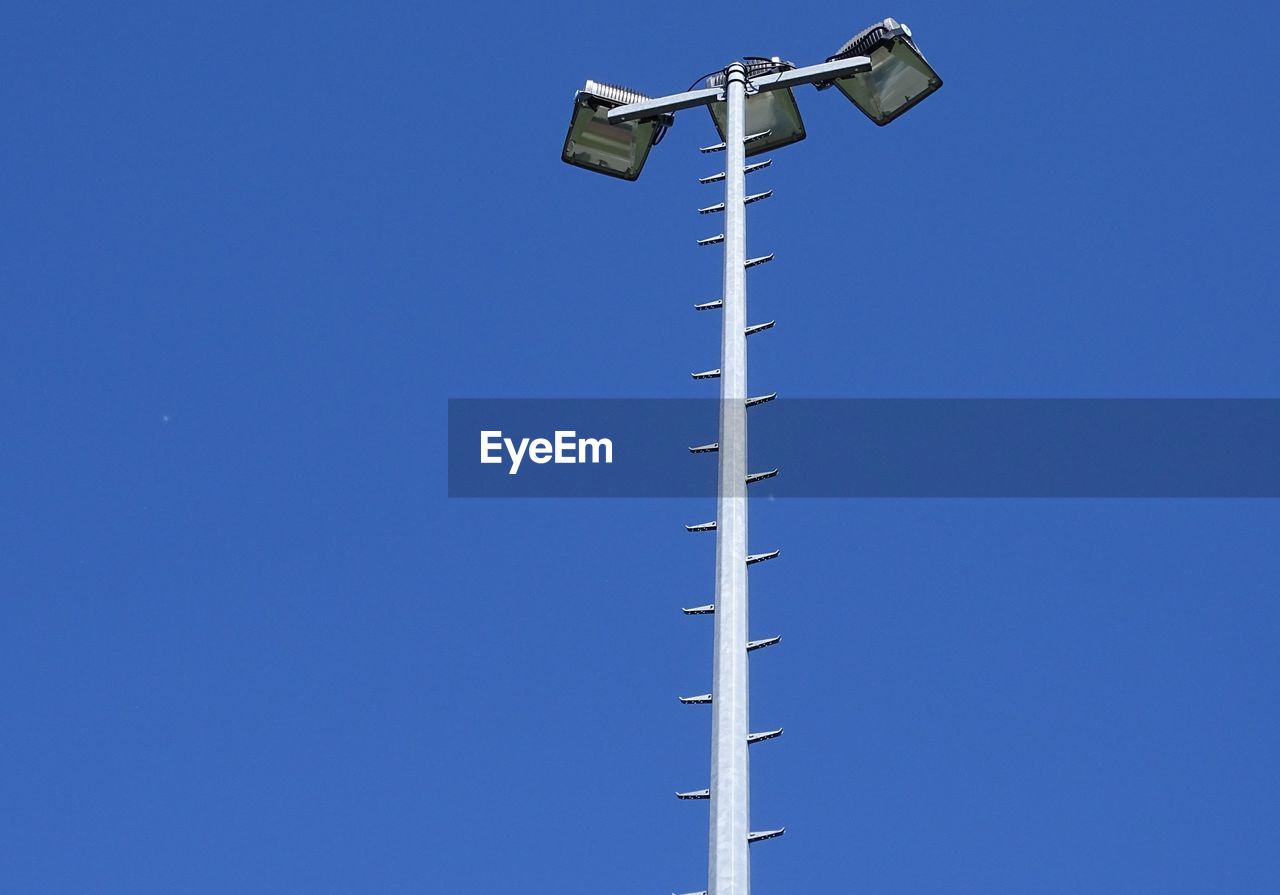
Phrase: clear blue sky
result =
(247, 644)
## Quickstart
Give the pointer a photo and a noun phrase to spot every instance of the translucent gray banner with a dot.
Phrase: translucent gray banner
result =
(871, 448)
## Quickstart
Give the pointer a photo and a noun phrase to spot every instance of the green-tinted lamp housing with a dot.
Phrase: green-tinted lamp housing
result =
(899, 77)
(594, 143)
(772, 111)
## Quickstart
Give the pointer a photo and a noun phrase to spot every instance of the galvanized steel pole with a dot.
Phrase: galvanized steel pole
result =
(729, 863)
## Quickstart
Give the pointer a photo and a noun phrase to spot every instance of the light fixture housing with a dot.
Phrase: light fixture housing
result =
(899, 77)
(772, 111)
(594, 143)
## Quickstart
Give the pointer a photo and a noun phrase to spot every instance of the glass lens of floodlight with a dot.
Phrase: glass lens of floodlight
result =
(899, 78)
(773, 110)
(618, 150)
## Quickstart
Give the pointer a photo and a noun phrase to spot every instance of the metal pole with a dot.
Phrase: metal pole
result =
(729, 863)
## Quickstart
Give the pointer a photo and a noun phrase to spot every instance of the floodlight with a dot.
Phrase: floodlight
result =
(618, 150)
(899, 77)
(773, 114)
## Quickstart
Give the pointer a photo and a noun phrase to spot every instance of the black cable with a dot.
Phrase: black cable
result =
(703, 78)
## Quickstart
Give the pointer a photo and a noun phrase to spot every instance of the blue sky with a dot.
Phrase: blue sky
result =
(248, 644)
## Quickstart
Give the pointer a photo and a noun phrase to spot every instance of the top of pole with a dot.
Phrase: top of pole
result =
(771, 76)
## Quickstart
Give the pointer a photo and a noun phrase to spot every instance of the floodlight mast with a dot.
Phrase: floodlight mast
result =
(610, 135)
(729, 835)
